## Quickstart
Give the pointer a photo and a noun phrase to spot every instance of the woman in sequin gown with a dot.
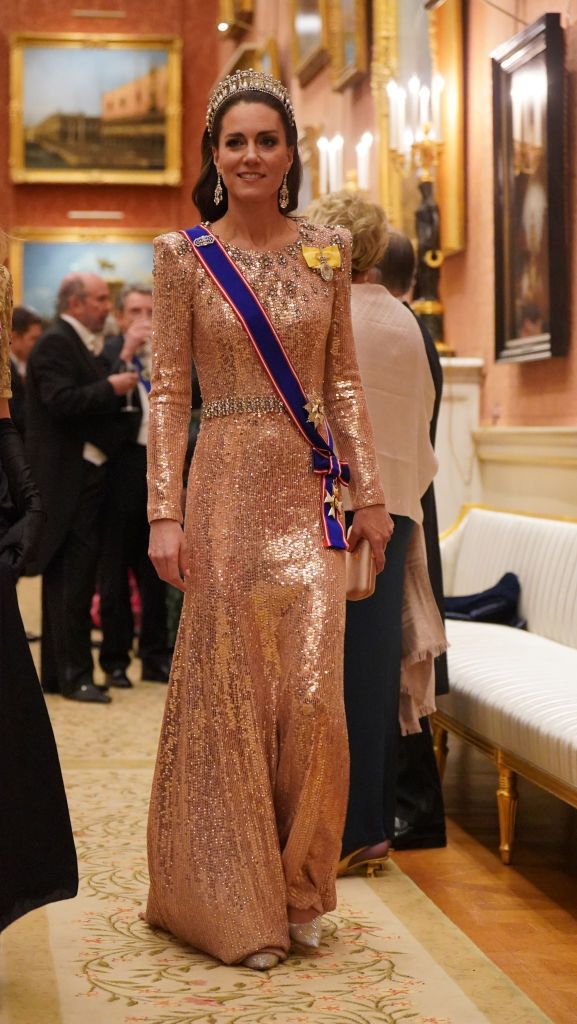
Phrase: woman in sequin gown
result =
(250, 788)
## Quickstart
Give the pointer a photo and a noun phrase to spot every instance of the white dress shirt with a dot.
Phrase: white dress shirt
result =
(94, 343)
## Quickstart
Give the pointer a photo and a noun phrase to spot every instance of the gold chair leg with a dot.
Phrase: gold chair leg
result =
(440, 747)
(507, 800)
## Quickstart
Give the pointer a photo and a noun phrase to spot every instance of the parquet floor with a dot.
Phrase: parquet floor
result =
(524, 917)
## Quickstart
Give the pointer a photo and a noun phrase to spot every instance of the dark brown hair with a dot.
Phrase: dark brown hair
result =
(397, 267)
(203, 191)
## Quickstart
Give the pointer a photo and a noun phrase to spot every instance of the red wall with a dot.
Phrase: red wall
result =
(142, 205)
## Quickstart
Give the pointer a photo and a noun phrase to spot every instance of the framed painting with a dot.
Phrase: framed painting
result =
(310, 37)
(97, 109)
(348, 41)
(40, 258)
(531, 245)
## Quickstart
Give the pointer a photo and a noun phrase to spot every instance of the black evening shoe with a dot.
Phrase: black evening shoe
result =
(119, 679)
(424, 836)
(88, 693)
(158, 672)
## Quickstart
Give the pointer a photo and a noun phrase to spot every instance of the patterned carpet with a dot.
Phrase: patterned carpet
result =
(388, 955)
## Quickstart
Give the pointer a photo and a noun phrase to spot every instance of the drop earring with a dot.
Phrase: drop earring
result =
(218, 190)
(283, 195)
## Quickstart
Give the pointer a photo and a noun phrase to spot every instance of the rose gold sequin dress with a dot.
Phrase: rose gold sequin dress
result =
(251, 781)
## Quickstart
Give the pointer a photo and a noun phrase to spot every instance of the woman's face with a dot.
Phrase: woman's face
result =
(252, 153)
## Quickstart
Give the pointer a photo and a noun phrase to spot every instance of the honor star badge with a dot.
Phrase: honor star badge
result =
(332, 500)
(315, 410)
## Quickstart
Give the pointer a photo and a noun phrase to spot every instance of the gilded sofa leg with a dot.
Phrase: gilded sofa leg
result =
(441, 747)
(507, 803)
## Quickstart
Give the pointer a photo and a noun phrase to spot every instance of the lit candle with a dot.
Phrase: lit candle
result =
(339, 143)
(408, 139)
(392, 90)
(332, 155)
(323, 147)
(414, 86)
(438, 86)
(362, 165)
(402, 107)
(424, 95)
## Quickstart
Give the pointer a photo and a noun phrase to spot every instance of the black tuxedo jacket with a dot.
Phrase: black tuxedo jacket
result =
(69, 401)
(18, 401)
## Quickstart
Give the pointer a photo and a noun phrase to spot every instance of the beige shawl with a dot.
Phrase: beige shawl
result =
(400, 396)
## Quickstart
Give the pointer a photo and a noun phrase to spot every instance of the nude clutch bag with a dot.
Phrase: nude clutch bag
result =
(361, 572)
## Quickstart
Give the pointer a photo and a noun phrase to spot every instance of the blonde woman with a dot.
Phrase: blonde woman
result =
(37, 855)
(401, 622)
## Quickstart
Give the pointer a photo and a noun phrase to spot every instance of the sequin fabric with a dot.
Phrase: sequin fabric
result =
(5, 329)
(250, 787)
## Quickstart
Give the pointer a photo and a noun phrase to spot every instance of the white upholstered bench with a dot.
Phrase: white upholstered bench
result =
(514, 693)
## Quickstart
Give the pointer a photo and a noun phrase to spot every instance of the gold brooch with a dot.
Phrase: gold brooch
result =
(323, 260)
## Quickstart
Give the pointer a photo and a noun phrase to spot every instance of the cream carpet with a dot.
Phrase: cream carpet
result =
(388, 954)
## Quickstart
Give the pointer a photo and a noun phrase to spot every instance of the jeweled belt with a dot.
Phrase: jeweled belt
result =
(232, 404)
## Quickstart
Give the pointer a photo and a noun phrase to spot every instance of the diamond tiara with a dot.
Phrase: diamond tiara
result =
(247, 81)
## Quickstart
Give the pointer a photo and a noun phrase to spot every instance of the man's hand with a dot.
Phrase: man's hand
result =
(135, 336)
(374, 523)
(122, 383)
(168, 552)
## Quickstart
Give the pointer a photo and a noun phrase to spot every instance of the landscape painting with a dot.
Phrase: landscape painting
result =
(102, 109)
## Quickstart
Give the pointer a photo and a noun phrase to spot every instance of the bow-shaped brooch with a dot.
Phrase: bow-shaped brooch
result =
(323, 260)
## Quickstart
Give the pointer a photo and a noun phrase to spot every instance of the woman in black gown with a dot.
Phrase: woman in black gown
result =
(37, 854)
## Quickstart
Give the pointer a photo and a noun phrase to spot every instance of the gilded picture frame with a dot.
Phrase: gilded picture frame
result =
(531, 225)
(260, 58)
(95, 109)
(237, 15)
(348, 42)
(310, 37)
(444, 42)
(40, 257)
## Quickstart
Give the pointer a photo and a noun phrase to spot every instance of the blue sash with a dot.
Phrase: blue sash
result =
(304, 412)
(144, 380)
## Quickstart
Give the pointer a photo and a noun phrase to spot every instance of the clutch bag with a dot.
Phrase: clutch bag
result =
(361, 572)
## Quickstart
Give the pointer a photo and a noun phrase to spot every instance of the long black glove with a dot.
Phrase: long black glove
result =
(20, 541)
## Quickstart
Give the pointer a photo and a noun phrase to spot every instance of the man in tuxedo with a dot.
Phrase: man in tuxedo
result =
(420, 813)
(125, 523)
(73, 427)
(26, 329)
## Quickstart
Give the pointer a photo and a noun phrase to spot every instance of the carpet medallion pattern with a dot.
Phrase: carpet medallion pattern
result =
(95, 962)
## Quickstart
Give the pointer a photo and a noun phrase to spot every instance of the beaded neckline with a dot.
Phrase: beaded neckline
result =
(290, 247)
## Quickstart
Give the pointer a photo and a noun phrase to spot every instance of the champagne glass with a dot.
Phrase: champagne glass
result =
(130, 367)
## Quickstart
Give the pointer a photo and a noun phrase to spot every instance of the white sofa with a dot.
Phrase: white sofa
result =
(514, 693)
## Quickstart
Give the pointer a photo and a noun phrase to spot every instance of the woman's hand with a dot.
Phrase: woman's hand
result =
(168, 552)
(374, 523)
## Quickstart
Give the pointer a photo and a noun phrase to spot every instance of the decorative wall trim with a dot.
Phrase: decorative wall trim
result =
(537, 446)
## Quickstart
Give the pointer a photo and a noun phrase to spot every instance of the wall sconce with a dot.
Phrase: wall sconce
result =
(416, 126)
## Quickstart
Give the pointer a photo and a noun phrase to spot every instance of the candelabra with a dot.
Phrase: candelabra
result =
(416, 149)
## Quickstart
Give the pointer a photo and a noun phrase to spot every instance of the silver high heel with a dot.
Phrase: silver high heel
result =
(261, 961)
(307, 933)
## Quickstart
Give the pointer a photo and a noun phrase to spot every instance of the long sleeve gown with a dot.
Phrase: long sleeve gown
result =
(251, 781)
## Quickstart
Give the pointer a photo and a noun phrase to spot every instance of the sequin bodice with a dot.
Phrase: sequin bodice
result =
(312, 318)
